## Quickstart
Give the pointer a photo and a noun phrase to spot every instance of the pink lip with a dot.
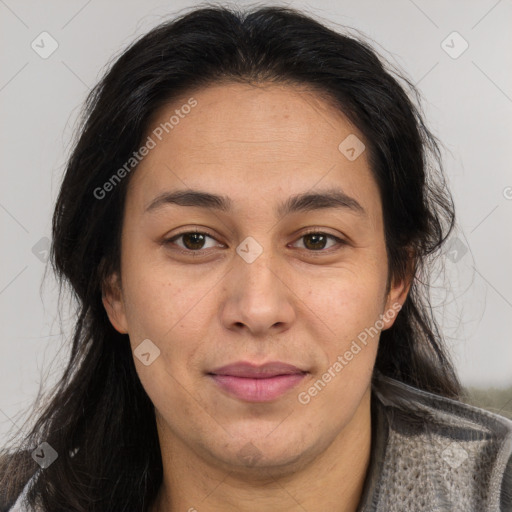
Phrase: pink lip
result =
(255, 383)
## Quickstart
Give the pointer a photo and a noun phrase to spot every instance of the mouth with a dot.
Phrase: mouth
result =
(257, 383)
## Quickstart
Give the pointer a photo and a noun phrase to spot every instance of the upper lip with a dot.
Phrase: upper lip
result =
(254, 371)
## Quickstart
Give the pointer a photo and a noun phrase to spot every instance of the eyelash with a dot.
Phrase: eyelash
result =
(170, 241)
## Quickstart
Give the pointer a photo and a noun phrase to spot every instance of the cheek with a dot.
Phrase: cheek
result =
(347, 301)
(350, 305)
(350, 310)
(170, 313)
(166, 311)
(157, 296)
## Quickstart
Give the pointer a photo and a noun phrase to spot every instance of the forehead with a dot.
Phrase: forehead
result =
(270, 117)
(272, 138)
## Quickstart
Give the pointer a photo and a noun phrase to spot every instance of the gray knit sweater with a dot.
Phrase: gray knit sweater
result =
(430, 454)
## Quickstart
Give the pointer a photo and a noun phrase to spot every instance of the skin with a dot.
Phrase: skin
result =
(300, 302)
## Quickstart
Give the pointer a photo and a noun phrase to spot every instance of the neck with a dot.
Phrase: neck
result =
(333, 480)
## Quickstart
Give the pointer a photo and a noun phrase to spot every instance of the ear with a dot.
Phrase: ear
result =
(397, 295)
(113, 302)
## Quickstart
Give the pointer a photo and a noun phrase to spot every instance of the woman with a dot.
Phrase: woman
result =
(247, 221)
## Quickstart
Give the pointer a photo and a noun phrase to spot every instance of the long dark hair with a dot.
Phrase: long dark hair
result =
(98, 418)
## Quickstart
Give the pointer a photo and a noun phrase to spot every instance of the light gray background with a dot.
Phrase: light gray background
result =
(467, 102)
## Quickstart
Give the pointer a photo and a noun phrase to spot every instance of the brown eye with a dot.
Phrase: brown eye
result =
(316, 240)
(192, 241)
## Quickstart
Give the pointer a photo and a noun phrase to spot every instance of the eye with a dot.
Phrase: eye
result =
(193, 241)
(317, 240)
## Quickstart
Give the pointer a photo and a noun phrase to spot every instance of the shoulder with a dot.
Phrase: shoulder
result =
(441, 454)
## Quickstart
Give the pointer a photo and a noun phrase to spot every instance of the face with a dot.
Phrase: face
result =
(260, 275)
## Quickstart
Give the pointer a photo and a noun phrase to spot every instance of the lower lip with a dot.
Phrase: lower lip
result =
(258, 390)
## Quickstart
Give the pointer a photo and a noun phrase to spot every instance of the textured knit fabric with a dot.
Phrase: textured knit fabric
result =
(430, 454)
(434, 454)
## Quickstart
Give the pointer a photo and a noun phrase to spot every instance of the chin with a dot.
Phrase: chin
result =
(261, 456)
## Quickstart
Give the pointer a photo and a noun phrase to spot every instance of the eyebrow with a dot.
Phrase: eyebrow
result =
(305, 202)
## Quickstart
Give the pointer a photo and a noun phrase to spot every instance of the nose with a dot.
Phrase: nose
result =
(258, 297)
